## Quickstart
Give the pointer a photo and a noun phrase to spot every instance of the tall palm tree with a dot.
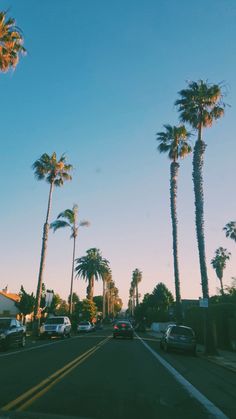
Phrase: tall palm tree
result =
(55, 172)
(106, 279)
(136, 279)
(219, 264)
(132, 297)
(200, 104)
(230, 230)
(70, 220)
(11, 43)
(90, 267)
(174, 142)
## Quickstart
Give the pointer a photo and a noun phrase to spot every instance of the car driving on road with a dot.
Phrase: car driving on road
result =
(56, 326)
(123, 329)
(12, 333)
(85, 326)
(179, 337)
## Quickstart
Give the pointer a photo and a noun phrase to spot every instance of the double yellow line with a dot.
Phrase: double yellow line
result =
(27, 398)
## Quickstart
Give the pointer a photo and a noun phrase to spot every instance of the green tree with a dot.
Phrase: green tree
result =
(91, 267)
(136, 279)
(55, 172)
(98, 301)
(230, 230)
(200, 104)
(11, 43)
(219, 264)
(174, 142)
(88, 309)
(69, 218)
(26, 303)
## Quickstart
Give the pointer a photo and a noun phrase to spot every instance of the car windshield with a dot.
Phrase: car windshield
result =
(5, 323)
(55, 320)
(181, 331)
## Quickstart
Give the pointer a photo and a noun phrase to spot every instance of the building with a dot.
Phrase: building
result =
(7, 304)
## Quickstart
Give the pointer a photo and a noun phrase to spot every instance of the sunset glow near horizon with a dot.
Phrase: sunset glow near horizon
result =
(99, 81)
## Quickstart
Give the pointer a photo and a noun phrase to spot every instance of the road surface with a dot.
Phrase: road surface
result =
(94, 376)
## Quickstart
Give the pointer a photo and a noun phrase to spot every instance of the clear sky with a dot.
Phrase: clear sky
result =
(99, 81)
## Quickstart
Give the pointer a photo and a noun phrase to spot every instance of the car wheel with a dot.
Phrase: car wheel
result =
(22, 342)
(165, 346)
(114, 336)
(69, 335)
(194, 352)
(6, 345)
(63, 336)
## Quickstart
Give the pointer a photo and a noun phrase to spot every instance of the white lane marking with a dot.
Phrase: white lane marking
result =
(207, 404)
(44, 345)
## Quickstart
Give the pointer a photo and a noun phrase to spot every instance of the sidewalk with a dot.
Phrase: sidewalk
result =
(226, 359)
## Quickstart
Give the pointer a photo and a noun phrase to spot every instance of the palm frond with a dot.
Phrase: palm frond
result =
(55, 225)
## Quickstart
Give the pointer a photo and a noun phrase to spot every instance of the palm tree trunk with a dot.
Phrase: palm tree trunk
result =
(90, 288)
(137, 299)
(72, 276)
(42, 259)
(104, 300)
(198, 154)
(221, 285)
(174, 167)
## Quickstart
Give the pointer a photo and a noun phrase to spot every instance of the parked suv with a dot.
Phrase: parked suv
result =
(12, 332)
(179, 337)
(56, 326)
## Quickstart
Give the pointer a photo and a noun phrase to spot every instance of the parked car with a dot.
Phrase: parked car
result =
(123, 329)
(179, 337)
(12, 333)
(56, 326)
(85, 326)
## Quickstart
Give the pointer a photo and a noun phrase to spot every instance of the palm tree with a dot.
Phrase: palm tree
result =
(69, 219)
(200, 105)
(106, 279)
(219, 264)
(11, 43)
(174, 141)
(230, 230)
(132, 297)
(90, 267)
(55, 172)
(136, 279)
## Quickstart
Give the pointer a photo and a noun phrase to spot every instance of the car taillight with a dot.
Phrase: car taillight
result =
(115, 327)
(123, 325)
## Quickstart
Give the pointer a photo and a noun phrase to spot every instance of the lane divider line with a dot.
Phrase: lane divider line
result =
(53, 377)
(193, 392)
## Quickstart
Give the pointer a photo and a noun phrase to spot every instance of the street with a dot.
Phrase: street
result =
(94, 376)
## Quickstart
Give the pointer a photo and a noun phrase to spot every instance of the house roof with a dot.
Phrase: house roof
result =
(11, 296)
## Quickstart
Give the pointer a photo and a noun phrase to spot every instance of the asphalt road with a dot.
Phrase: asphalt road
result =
(96, 377)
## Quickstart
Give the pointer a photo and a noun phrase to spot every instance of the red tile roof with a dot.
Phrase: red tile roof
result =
(13, 297)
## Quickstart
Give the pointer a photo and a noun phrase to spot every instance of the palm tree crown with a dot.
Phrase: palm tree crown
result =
(219, 263)
(230, 230)
(174, 141)
(91, 266)
(11, 43)
(52, 170)
(200, 104)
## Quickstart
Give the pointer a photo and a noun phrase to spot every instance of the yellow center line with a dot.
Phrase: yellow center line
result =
(56, 376)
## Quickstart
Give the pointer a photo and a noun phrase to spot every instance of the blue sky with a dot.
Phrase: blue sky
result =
(99, 81)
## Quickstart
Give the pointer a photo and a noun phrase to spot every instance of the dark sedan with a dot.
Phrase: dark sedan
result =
(12, 333)
(123, 329)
